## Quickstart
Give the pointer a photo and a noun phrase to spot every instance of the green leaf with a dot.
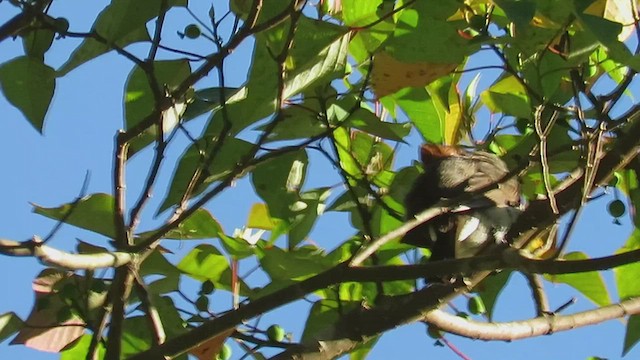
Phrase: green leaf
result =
(507, 96)
(164, 285)
(93, 212)
(590, 284)
(200, 225)
(606, 32)
(36, 42)
(232, 152)
(427, 115)
(304, 214)
(424, 34)
(136, 336)
(80, 349)
(628, 276)
(323, 314)
(207, 99)
(278, 181)
(632, 334)
(367, 121)
(520, 12)
(318, 56)
(122, 23)
(297, 122)
(10, 323)
(363, 349)
(139, 100)
(28, 84)
(206, 262)
(171, 320)
(259, 217)
(296, 265)
(360, 12)
(138, 96)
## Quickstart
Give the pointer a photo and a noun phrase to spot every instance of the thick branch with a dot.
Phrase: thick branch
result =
(55, 257)
(543, 325)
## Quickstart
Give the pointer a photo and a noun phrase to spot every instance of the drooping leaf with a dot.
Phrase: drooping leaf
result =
(366, 121)
(93, 212)
(207, 99)
(138, 96)
(122, 23)
(323, 314)
(490, 289)
(210, 348)
(278, 181)
(206, 262)
(297, 264)
(36, 42)
(297, 122)
(28, 84)
(53, 323)
(136, 336)
(590, 284)
(10, 323)
(628, 276)
(507, 96)
(304, 214)
(426, 114)
(632, 333)
(230, 155)
(259, 217)
(200, 225)
(139, 100)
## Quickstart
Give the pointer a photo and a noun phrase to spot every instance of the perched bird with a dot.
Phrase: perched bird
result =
(484, 219)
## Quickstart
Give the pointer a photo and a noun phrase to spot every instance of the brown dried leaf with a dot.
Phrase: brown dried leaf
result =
(43, 329)
(209, 349)
(390, 75)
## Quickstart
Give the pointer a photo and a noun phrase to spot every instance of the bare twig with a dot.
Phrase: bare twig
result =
(539, 296)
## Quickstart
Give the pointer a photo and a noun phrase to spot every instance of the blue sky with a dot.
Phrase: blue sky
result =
(78, 137)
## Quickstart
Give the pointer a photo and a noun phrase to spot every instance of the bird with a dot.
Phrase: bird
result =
(481, 220)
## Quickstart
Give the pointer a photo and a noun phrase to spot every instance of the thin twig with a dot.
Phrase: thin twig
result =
(151, 312)
(72, 208)
(537, 290)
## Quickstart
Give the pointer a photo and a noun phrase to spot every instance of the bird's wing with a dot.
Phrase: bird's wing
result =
(489, 169)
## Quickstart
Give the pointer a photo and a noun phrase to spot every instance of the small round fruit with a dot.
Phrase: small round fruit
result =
(207, 287)
(476, 306)
(434, 332)
(616, 208)
(275, 333)
(225, 353)
(61, 25)
(202, 303)
(192, 31)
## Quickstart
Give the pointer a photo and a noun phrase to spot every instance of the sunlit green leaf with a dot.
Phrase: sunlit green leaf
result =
(230, 154)
(122, 23)
(79, 349)
(271, 181)
(200, 225)
(93, 212)
(490, 288)
(590, 284)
